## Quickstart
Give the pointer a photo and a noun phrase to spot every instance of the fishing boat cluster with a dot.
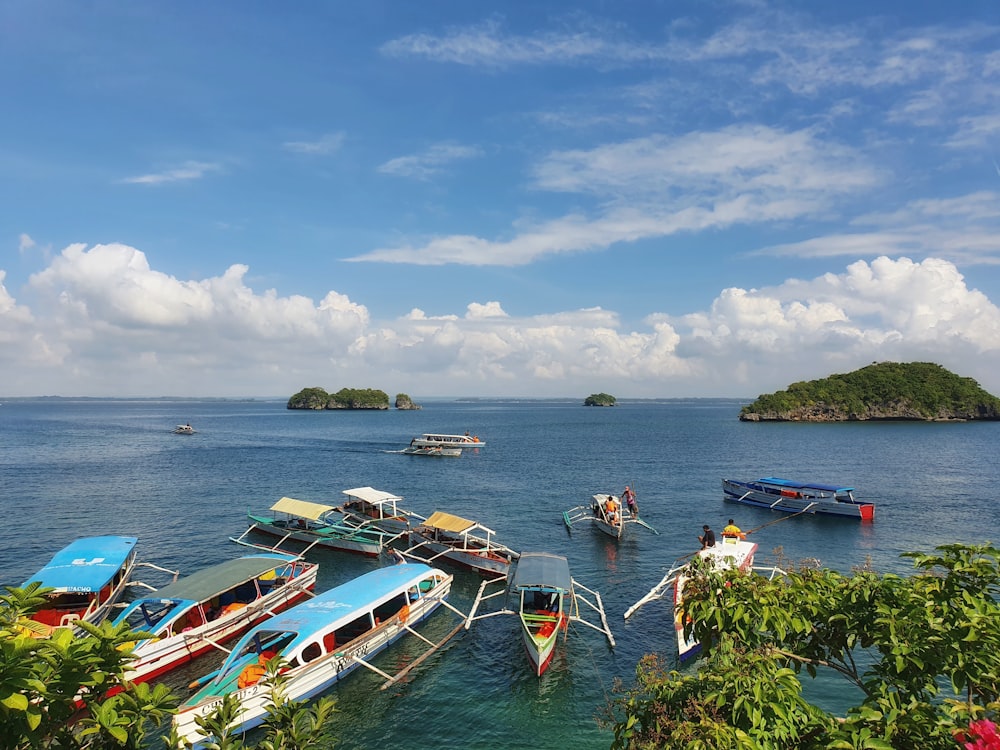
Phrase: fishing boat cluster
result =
(267, 597)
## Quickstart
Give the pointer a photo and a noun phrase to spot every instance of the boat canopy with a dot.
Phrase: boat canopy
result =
(301, 508)
(448, 522)
(542, 569)
(209, 582)
(371, 495)
(87, 564)
(793, 485)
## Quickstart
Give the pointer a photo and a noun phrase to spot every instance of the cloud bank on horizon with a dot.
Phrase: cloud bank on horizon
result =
(704, 200)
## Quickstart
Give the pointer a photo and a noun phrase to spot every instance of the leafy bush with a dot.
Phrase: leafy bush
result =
(599, 399)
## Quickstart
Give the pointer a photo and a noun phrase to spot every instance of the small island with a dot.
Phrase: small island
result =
(346, 398)
(881, 391)
(405, 403)
(599, 399)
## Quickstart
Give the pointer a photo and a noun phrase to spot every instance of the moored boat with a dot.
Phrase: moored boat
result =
(315, 524)
(184, 429)
(318, 643)
(88, 578)
(431, 439)
(548, 599)
(366, 505)
(433, 451)
(732, 552)
(790, 496)
(608, 513)
(459, 540)
(211, 606)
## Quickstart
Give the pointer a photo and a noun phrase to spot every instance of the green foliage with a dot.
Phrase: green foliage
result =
(917, 390)
(921, 653)
(345, 398)
(309, 398)
(53, 690)
(599, 399)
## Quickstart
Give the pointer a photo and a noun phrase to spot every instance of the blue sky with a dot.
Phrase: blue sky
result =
(520, 199)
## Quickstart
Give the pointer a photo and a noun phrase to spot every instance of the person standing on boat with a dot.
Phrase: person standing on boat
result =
(629, 497)
(732, 530)
(707, 537)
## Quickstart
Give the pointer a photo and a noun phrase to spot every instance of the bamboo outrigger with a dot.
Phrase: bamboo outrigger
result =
(608, 514)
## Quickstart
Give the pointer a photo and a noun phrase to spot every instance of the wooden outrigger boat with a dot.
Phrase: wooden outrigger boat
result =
(608, 513)
(205, 609)
(367, 505)
(431, 439)
(88, 576)
(319, 642)
(790, 496)
(548, 599)
(731, 552)
(315, 524)
(459, 540)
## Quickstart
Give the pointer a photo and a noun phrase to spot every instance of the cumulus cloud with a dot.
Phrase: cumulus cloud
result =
(105, 323)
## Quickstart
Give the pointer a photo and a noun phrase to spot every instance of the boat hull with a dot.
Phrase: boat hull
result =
(484, 563)
(317, 537)
(539, 648)
(759, 495)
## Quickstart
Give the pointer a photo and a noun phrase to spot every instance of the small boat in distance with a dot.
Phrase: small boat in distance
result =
(608, 513)
(315, 524)
(184, 429)
(460, 541)
(207, 608)
(548, 599)
(88, 576)
(434, 451)
(731, 552)
(789, 496)
(319, 642)
(430, 439)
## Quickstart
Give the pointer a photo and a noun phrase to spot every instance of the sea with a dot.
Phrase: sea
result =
(78, 467)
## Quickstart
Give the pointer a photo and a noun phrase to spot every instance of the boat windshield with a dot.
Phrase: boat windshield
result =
(149, 613)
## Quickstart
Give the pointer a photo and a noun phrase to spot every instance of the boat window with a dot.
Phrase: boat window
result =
(384, 611)
(148, 614)
(311, 652)
(353, 629)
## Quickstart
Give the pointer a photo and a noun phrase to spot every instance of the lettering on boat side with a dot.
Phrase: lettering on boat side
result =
(81, 561)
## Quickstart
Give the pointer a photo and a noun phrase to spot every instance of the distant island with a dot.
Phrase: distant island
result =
(881, 391)
(346, 398)
(599, 399)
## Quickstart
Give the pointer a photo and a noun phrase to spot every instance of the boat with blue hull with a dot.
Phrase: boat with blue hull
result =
(791, 496)
(318, 643)
(88, 577)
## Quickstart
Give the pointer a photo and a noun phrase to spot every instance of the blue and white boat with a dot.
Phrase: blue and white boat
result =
(318, 643)
(790, 496)
(88, 576)
(211, 606)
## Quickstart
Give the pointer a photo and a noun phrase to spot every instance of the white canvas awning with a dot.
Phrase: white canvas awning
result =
(301, 508)
(371, 495)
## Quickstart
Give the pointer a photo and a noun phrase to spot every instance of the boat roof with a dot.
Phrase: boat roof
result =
(791, 484)
(343, 602)
(456, 524)
(212, 581)
(445, 435)
(87, 564)
(371, 495)
(301, 508)
(542, 569)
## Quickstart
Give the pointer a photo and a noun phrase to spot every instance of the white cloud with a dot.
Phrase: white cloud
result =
(191, 170)
(431, 162)
(658, 186)
(24, 243)
(114, 326)
(327, 144)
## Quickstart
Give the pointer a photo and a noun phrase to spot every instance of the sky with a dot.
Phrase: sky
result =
(524, 199)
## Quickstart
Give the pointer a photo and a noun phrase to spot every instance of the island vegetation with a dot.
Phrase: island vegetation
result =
(880, 391)
(404, 402)
(919, 658)
(599, 399)
(345, 398)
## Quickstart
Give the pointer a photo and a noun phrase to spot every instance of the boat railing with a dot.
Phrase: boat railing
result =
(595, 604)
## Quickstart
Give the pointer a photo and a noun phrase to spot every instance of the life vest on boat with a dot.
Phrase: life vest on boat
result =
(250, 675)
(404, 613)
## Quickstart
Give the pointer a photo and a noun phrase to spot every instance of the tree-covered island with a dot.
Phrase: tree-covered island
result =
(599, 399)
(880, 391)
(345, 398)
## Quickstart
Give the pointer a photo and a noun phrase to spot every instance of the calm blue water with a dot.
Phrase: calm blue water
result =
(76, 468)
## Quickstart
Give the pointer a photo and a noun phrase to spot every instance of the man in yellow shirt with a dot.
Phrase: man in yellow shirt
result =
(732, 530)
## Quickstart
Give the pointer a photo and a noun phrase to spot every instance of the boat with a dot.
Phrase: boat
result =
(318, 643)
(607, 513)
(199, 612)
(461, 541)
(431, 439)
(789, 496)
(88, 577)
(732, 552)
(366, 505)
(184, 429)
(435, 451)
(548, 599)
(315, 524)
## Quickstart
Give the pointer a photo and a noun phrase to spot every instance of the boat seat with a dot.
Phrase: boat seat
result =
(65, 620)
